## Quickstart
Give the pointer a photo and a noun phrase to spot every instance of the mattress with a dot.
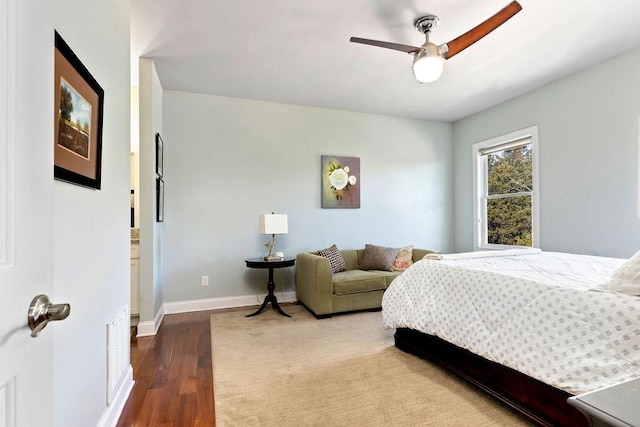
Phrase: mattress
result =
(542, 314)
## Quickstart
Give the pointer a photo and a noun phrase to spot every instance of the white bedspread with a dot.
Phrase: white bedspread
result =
(532, 312)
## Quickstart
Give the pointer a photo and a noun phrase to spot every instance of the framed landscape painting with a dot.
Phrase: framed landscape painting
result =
(78, 111)
(340, 182)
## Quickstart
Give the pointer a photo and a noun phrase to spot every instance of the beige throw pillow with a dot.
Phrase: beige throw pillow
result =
(404, 259)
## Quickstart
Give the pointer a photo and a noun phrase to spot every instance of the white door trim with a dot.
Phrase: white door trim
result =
(8, 41)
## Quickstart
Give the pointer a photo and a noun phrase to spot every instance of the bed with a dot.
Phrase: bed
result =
(529, 327)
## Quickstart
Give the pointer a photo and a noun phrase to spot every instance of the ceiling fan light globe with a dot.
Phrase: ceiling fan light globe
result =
(427, 68)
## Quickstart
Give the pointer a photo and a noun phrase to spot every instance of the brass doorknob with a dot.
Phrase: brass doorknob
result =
(41, 312)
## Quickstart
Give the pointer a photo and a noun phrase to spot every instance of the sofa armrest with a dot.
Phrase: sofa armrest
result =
(314, 283)
(418, 254)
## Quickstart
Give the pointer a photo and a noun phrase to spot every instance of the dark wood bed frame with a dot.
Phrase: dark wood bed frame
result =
(539, 402)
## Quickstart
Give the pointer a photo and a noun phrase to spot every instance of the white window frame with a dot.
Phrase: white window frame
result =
(480, 190)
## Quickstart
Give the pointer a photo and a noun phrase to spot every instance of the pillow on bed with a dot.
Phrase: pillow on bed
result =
(404, 259)
(378, 258)
(626, 279)
(336, 261)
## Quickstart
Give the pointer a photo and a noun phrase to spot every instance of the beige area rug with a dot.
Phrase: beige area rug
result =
(271, 370)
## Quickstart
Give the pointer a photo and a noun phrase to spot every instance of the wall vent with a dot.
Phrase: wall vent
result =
(117, 351)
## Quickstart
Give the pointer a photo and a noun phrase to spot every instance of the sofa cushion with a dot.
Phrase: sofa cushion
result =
(378, 258)
(356, 281)
(388, 276)
(335, 258)
(404, 259)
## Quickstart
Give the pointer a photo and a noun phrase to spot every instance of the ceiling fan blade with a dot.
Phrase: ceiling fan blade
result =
(387, 45)
(462, 42)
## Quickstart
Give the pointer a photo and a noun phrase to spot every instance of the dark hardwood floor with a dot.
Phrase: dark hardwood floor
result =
(173, 375)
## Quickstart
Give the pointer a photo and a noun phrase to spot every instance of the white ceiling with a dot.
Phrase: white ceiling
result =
(298, 51)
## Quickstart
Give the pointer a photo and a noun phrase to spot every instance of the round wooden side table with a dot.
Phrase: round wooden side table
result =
(260, 262)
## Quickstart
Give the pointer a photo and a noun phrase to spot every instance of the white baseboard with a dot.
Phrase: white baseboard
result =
(146, 329)
(225, 302)
(114, 410)
(151, 328)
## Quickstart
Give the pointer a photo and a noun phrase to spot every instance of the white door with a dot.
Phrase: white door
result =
(26, 190)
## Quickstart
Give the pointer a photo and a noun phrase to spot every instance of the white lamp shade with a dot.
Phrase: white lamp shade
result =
(427, 67)
(273, 224)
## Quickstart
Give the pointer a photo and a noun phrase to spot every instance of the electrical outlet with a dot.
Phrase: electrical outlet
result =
(205, 280)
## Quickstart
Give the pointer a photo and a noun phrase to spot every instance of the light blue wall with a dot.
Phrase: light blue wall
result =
(150, 98)
(588, 128)
(91, 227)
(228, 160)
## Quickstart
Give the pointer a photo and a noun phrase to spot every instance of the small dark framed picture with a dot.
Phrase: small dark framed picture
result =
(159, 154)
(159, 200)
(79, 104)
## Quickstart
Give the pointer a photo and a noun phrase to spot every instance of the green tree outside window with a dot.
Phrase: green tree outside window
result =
(508, 202)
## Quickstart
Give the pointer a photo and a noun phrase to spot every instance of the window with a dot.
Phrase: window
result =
(506, 191)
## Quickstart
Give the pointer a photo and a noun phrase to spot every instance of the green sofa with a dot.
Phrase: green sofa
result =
(324, 293)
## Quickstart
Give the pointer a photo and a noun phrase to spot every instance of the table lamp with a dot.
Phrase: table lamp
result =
(273, 224)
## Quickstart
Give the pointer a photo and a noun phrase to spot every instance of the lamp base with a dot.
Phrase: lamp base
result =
(271, 245)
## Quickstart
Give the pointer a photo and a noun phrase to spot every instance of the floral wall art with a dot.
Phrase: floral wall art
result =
(340, 182)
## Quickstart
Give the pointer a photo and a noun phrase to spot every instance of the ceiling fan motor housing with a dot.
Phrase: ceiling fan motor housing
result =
(427, 63)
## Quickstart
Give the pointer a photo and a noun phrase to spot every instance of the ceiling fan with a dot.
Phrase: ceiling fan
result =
(429, 58)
